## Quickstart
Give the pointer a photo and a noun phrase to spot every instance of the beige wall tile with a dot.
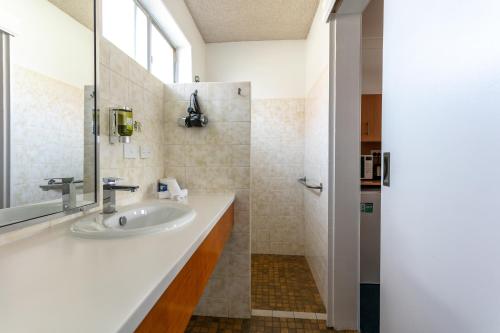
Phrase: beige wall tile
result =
(277, 161)
(316, 169)
(118, 61)
(240, 155)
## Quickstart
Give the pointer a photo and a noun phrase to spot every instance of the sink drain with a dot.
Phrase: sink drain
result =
(122, 220)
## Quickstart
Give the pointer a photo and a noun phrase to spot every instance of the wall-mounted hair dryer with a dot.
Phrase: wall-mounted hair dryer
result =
(195, 117)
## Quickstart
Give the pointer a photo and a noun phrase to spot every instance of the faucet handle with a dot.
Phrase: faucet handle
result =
(64, 180)
(110, 180)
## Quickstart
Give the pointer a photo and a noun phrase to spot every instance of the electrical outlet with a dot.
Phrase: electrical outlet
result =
(146, 151)
(130, 151)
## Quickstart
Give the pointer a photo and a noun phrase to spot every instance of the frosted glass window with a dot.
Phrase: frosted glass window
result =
(141, 37)
(162, 57)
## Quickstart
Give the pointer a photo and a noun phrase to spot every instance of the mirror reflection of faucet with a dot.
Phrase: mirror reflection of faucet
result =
(109, 188)
(67, 187)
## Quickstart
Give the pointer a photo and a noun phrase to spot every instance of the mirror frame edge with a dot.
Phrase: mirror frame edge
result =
(85, 208)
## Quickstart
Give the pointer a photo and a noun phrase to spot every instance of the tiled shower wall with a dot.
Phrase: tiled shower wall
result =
(216, 159)
(124, 82)
(277, 163)
(316, 169)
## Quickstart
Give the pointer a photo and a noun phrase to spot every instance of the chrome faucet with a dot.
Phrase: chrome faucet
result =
(67, 186)
(109, 193)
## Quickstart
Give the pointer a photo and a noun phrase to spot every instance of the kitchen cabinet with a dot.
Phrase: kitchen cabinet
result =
(371, 118)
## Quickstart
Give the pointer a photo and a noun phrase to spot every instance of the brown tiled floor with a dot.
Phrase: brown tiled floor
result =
(256, 325)
(284, 283)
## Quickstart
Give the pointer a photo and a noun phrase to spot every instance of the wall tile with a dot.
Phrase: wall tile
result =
(118, 95)
(316, 169)
(240, 177)
(240, 155)
(118, 61)
(242, 222)
(174, 155)
(242, 201)
(135, 97)
(174, 134)
(277, 160)
(137, 73)
(239, 133)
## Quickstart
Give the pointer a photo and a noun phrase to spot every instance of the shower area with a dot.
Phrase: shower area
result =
(289, 205)
(289, 145)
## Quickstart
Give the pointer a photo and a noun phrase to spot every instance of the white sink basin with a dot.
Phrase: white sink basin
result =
(147, 218)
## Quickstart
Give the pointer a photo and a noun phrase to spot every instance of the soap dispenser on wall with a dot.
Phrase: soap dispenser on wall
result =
(121, 124)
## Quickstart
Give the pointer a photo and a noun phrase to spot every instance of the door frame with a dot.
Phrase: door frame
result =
(344, 149)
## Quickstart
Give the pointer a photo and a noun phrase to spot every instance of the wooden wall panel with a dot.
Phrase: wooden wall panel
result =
(173, 310)
(371, 118)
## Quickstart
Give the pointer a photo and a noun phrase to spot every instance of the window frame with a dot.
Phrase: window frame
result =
(146, 14)
(150, 55)
(151, 22)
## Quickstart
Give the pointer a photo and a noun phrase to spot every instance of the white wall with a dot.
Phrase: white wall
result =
(275, 68)
(440, 225)
(49, 41)
(317, 48)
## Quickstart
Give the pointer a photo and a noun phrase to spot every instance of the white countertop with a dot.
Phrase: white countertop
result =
(55, 282)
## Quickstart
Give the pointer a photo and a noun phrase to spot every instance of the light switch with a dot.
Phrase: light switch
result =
(146, 151)
(130, 151)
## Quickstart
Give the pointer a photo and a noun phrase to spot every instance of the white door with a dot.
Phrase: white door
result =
(440, 257)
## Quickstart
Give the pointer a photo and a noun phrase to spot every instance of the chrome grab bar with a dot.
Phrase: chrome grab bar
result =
(303, 181)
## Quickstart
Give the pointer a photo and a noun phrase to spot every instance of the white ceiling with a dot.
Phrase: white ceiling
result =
(80, 10)
(252, 20)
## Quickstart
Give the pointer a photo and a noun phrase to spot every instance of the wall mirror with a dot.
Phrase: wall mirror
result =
(48, 143)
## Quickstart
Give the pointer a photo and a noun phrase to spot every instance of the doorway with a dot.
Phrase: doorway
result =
(371, 166)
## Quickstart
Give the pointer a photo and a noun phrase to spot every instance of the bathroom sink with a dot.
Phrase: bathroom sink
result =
(137, 220)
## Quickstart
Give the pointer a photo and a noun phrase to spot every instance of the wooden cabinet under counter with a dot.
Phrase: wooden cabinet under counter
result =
(172, 311)
(371, 118)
